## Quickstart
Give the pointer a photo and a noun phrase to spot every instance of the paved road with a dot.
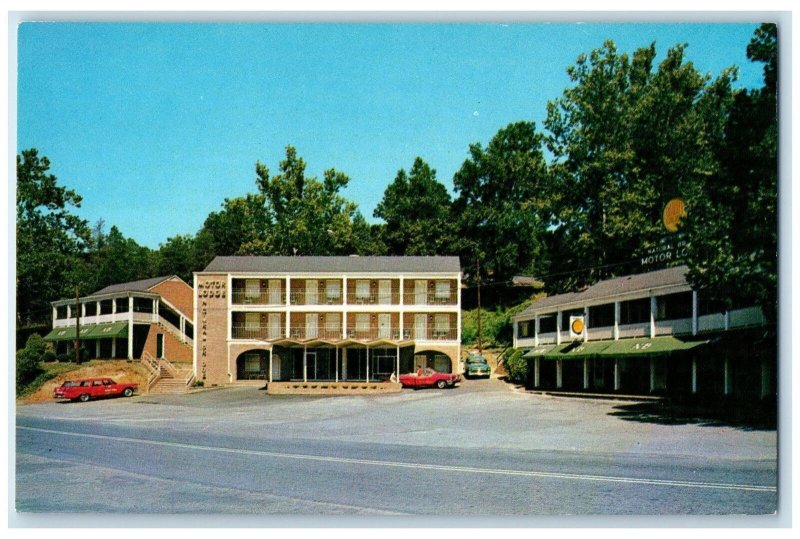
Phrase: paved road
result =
(479, 449)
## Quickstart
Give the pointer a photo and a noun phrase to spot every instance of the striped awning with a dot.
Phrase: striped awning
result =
(89, 332)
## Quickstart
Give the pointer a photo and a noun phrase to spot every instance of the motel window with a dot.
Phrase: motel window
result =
(601, 316)
(252, 288)
(636, 311)
(362, 322)
(442, 290)
(332, 322)
(122, 305)
(441, 324)
(524, 329)
(674, 306)
(90, 309)
(106, 306)
(142, 305)
(61, 312)
(252, 320)
(362, 289)
(332, 290)
(547, 324)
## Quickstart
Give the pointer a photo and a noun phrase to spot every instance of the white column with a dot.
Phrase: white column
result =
(270, 365)
(288, 299)
(536, 331)
(397, 372)
(97, 312)
(694, 375)
(367, 364)
(536, 372)
(616, 320)
(113, 347)
(694, 312)
(558, 327)
(305, 364)
(586, 373)
(344, 364)
(652, 375)
(156, 310)
(97, 348)
(336, 362)
(69, 312)
(765, 378)
(726, 378)
(55, 315)
(726, 319)
(616, 375)
(652, 316)
(130, 327)
(559, 374)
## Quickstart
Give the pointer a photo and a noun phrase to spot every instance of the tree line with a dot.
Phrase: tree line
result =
(572, 203)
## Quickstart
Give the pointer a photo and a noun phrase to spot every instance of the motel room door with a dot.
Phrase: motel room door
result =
(385, 292)
(274, 287)
(384, 326)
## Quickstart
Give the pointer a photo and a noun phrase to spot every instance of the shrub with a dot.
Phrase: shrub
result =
(517, 367)
(64, 357)
(197, 383)
(27, 368)
(49, 356)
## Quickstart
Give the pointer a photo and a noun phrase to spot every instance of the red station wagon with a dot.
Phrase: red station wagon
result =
(429, 378)
(92, 388)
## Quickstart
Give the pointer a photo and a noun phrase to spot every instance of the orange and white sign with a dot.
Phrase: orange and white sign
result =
(576, 327)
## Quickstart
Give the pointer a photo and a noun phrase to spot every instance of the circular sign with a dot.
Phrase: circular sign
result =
(577, 326)
(674, 211)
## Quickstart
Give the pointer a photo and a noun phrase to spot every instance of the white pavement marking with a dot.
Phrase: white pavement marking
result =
(419, 466)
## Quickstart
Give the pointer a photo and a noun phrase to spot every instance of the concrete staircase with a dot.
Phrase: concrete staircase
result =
(165, 377)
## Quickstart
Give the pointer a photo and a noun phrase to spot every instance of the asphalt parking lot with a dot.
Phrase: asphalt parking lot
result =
(546, 451)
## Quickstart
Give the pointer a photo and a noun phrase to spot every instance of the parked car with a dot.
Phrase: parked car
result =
(476, 365)
(93, 388)
(429, 378)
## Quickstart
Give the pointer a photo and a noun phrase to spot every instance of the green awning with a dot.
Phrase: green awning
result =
(578, 350)
(539, 351)
(89, 331)
(106, 331)
(643, 347)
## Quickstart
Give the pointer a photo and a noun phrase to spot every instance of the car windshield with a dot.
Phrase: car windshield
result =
(476, 359)
(69, 383)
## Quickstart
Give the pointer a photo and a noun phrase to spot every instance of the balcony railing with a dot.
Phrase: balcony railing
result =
(414, 298)
(243, 297)
(370, 299)
(310, 332)
(304, 298)
(256, 333)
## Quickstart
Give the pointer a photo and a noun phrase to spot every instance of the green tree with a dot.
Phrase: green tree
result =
(416, 209)
(241, 227)
(502, 207)
(178, 256)
(626, 139)
(120, 260)
(731, 227)
(50, 238)
(309, 216)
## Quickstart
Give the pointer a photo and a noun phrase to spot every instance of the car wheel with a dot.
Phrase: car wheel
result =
(451, 383)
(128, 392)
(441, 384)
(84, 397)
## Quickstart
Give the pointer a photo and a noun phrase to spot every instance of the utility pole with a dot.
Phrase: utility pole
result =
(77, 326)
(480, 334)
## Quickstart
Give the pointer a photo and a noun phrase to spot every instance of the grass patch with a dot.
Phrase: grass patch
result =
(51, 370)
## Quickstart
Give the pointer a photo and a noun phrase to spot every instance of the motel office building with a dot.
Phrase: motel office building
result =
(646, 334)
(333, 319)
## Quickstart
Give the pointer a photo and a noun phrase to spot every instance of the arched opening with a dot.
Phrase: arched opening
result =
(432, 359)
(252, 365)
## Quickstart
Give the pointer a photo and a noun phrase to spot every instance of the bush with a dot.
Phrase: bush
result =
(517, 367)
(27, 368)
(49, 356)
(64, 357)
(197, 383)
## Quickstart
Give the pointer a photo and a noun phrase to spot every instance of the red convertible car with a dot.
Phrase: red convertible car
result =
(429, 378)
(92, 388)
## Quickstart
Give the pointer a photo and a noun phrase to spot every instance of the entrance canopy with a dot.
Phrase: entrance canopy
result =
(578, 350)
(539, 351)
(89, 332)
(643, 347)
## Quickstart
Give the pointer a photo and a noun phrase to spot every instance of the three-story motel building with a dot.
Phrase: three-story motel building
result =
(298, 319)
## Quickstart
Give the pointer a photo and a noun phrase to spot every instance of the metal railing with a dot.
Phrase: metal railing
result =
(242, 296)
(256, 332)
(371, 299)
(322, 298)
(414, 298)
(336, 333)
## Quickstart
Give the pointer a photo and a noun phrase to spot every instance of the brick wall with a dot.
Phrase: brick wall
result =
(174, 349)
(211, 329)
(178, 293)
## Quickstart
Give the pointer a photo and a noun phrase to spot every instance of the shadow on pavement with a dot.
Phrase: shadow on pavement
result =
(665, 413)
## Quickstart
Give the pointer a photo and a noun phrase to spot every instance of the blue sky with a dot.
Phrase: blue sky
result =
(156, 124)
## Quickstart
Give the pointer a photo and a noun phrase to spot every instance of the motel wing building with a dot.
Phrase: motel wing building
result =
(330, 319)
(649, 333)
(129, 320)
